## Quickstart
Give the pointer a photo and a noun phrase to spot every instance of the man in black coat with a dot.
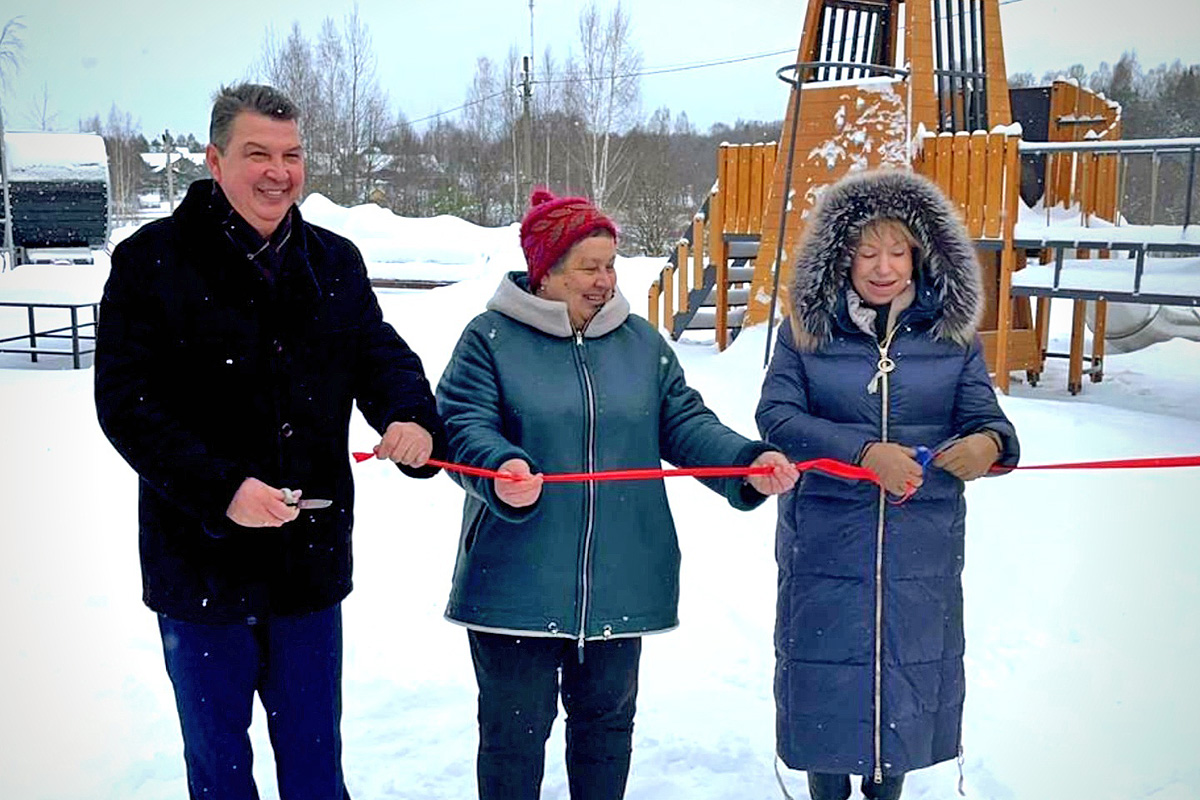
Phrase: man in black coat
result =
(233, 340)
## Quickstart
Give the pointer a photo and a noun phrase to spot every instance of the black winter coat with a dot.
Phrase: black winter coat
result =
(207, 373)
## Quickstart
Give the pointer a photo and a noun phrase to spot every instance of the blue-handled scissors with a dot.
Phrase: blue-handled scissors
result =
(925, 455)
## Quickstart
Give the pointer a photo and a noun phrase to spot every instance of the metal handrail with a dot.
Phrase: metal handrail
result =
(1181, 145)
(799, 65)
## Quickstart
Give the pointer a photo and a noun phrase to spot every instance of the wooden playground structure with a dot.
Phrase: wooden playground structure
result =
(936, 101)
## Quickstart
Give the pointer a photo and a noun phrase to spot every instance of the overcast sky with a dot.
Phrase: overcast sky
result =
(161, 61)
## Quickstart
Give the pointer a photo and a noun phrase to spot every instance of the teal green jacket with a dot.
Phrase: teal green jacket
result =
(589, 560)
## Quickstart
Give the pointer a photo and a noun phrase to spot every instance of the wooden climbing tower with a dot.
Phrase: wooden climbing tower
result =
(946, 74)
(922, 85)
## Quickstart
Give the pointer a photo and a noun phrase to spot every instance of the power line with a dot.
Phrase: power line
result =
(663, 70)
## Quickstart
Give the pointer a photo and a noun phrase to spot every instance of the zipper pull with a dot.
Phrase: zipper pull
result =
(884, 367)
(581, 648)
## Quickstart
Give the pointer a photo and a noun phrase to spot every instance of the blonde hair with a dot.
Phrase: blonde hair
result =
(878, 229)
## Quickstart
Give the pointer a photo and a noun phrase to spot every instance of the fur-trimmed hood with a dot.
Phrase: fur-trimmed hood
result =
(947, 268)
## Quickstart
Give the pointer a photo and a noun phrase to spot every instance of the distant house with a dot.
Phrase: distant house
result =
(186, 165)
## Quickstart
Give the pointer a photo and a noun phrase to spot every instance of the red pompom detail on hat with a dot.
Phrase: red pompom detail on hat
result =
(552, 225)
(540, 195)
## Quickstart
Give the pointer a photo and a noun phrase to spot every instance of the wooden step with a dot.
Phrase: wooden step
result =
(742, 247)
(737, 297)
(740, 274)
(706, 319)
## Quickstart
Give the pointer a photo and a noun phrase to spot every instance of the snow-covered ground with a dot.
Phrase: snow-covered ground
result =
(1081, 590)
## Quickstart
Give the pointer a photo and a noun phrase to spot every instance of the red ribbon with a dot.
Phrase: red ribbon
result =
(1119, 463)
(827, 465)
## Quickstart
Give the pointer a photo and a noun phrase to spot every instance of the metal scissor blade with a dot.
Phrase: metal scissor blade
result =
(290, 498)
(314, 503)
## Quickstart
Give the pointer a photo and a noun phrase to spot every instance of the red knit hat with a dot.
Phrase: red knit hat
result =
(552, 224)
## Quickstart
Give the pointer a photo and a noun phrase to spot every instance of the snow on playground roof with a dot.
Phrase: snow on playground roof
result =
(56, 156)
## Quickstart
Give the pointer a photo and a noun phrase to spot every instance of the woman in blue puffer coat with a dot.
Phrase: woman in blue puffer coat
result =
(557, 586)
(880, 356)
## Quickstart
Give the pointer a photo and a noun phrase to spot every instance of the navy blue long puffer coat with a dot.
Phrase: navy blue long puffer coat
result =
(869, 630)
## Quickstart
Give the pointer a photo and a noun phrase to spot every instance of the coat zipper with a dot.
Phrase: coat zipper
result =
(590, 516)
(883, 371)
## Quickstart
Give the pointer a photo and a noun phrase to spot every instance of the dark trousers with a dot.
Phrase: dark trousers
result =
(295, 666)
(520, 680)
(827, 786)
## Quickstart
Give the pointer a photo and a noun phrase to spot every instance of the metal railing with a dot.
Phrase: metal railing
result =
(1125, 150)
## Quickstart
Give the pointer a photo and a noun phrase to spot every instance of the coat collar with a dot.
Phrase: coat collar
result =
(203, 216)
(513, 299)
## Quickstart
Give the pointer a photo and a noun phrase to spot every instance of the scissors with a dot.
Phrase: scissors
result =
(925, 455)
(290, 498)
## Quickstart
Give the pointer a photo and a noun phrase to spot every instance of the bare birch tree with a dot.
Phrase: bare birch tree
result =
(289, 67)
(603, 91)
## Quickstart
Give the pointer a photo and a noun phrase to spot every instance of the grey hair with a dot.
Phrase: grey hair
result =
(256, 98)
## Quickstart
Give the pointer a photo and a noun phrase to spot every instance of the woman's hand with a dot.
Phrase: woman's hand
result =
(518, 493)
(782, 477)
(895, 466)
(970, 457)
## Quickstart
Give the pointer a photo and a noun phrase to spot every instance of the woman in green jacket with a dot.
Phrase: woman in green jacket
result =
(558, 376)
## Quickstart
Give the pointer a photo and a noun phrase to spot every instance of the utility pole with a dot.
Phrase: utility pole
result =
(9, 250)
(168, 148)
(527, 112)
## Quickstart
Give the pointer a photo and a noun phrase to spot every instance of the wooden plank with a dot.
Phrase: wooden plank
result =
(729, 188)
(743, 189)
(1020, 353)
(1004, 317)
(1012, 186)
(698, 252)
(716, 211)
(998, 101)
(944, 161)
(959, 173)
(977, 183)
(1042, 327)
(681, 279)
(1008, 264)
(994, 202)
(918, 49)
(1075, 358)
(652, 305)
(668, 298)
(754, 220)
(1099, 327)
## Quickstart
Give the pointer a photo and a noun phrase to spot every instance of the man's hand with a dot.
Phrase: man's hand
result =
(970, 457)
(406, 443)
(780, 480)
(522, 492)
(895, 466)
(257, 505)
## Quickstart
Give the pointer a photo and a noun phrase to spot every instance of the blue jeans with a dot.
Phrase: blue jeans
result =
(295, 666)
(828, 786)
(519, 688)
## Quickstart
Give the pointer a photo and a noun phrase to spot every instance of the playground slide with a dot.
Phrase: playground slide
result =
(1132, 327)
